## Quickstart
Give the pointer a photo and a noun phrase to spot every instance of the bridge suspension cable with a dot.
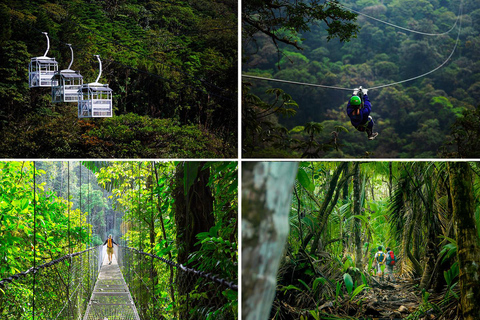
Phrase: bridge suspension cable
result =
(229, 284)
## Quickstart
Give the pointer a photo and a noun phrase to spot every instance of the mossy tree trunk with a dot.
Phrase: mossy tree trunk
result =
(468, 247)
(357, 210)
(193, 214)
(266, 200)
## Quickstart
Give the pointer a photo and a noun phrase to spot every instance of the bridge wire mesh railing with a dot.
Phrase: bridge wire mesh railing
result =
(62, 289)
(195, 294)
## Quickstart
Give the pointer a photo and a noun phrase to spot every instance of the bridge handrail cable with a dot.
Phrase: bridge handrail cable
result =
(45, 265)
(229, 284)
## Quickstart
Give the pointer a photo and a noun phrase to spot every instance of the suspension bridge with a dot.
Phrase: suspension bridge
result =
(70, 275)
(92, 284)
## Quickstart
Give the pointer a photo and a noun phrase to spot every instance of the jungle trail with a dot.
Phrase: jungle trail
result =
(60, 227)
(339, 218)
(356, 90)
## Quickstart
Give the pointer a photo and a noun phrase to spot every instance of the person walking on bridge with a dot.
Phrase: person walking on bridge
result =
(109, 242)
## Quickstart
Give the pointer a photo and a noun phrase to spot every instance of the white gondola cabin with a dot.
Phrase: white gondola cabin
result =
(95, 99)
(67, 82)
(42, 69)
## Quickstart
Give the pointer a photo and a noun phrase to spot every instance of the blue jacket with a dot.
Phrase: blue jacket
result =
(362, 117)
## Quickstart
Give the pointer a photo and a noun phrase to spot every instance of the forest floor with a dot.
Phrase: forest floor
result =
(383, 300)
(389, 300)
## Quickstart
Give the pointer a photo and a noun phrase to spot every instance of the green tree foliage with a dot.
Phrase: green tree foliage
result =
(173, 62)
(414, 119)
(146, 193)
(78, 204)
(56, 220)
(339, 215)
(283, 20)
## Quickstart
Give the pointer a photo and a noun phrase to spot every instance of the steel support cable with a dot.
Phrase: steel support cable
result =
(431, 71)
(68, 233)
(34, 240)
(210, 276)
(69, 300)
(35, 269)
(396, 26)
(372, 88)
(375, 87)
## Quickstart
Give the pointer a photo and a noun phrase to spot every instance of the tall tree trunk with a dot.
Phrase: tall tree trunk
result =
(357, 210)
(193, 214)
(266, 200)
(328, 205)
(194, 210)
(468, 246)
(408, 234)
(390, 178)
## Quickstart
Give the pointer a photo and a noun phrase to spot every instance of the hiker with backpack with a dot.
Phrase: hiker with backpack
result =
(390, 261)
(109, 242)
(379, 260)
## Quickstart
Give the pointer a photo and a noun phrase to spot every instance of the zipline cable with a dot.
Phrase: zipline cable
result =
(396, 26)
(296, 82)
(375, 87)
(431, 71)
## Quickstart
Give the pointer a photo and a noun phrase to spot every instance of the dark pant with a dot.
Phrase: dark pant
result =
(367, 125)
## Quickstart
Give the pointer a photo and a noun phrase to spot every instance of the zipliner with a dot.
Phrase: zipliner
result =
(358, 109)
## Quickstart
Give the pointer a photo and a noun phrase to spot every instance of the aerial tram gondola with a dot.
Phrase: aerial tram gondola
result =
(42, 69)
(66, 83)
(95, 99)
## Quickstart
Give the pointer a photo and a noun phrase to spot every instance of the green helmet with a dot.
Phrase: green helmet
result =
(355, 101)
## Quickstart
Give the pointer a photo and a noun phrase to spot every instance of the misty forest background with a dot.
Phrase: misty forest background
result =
(172, 66)
(434, 116)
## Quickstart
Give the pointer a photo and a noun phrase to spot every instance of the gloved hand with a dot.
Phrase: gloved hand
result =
(355, 91)
(364, 91)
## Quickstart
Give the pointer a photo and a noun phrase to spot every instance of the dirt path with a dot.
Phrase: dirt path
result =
(390, 300)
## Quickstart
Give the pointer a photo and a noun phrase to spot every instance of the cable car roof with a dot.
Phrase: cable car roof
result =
(94, 86)
(45, 60)
(68, 73)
